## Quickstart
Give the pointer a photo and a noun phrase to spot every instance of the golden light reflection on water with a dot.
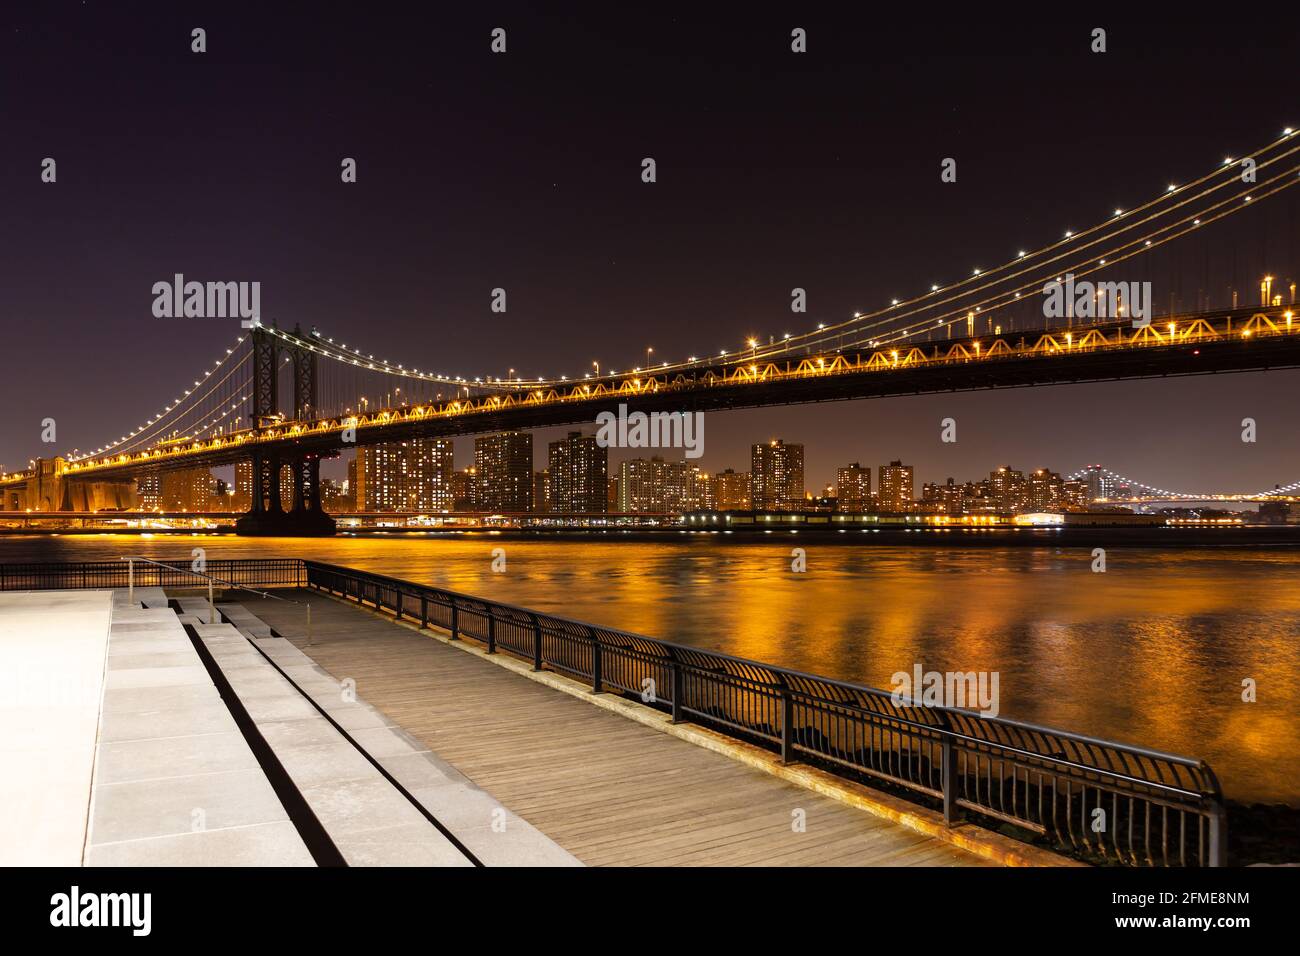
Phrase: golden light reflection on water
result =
(1151, 652)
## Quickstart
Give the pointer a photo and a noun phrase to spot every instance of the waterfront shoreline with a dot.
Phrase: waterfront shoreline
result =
(1170, 538)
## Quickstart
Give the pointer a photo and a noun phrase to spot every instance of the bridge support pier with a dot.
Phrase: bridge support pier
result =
(267, 517)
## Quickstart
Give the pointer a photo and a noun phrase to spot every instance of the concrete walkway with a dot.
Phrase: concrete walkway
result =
(52, 653)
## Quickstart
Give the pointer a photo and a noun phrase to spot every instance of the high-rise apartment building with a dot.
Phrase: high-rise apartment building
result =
(504, 463)
(1008, 488)
(243, 497)
(1044, 491)
(703, 491)
(464, 489)
(654, 485)
(148, 490)
(411, 475)
(853, 488)
(776, 476)
(732, 490)
(952, 497)
(579, 475)
(895, 492)
(1074, 495)
(186, 489)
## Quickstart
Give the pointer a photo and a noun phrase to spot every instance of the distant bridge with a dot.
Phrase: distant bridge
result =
(1235, 341)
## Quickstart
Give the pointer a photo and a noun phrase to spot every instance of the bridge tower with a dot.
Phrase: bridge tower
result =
(266, 516)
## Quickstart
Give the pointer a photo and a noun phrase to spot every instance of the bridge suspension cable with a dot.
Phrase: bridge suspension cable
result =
(1065, 247)
(175, 410)
(1092, 264)
(355, 358)
(182, 422)
(1067, 254)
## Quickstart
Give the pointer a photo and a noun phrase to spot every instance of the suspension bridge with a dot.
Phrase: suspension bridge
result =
(285, 399)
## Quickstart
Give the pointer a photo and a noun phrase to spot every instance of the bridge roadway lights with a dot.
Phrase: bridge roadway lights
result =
(307, 523)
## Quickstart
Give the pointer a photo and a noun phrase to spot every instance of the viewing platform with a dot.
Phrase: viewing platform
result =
(510, 771)
(345, 718)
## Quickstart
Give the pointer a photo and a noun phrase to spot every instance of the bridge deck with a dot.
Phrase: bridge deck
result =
(607, 789)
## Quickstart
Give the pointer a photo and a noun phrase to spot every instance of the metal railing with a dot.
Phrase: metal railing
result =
(1101, 801)
(211, 580)
(238, 573)
(264, 572)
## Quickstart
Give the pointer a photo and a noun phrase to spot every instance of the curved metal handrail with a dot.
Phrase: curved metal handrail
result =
(686, 651)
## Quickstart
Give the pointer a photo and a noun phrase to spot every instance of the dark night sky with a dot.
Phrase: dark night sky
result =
(523, 171)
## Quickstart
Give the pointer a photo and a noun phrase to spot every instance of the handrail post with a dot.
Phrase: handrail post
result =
(492, 633)
(398, 608)
(948, 774)
(455, 619)
(787, 726)
(309, 631)
(1218, 836)
(130, 580)
(679, 691)
(537, 643)
(424, 611)
(597, 679)
(212, 607)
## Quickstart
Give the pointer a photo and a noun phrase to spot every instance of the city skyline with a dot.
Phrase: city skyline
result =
(421, 476)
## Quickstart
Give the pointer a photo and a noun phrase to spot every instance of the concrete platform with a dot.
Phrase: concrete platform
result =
(53, 650)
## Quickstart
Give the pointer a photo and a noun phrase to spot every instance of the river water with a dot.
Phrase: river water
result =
(1153, 651)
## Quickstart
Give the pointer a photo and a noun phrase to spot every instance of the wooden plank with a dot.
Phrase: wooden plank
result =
(609, 790)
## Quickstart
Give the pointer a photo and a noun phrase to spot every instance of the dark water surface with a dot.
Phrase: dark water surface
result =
(1153, 652)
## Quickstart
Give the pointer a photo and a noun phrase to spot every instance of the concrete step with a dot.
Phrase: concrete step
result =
(245, 620)
(196, 606)
(149, 597)
(175, 782)
(496, 836)
(367, 818)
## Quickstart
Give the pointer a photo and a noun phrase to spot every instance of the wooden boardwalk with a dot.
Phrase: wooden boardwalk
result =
(609, 790)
